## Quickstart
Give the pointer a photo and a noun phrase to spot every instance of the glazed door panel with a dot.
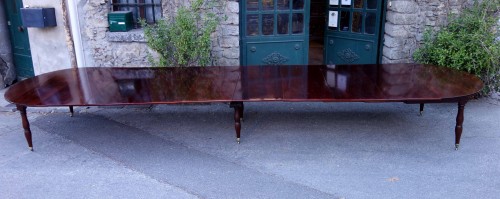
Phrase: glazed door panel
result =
(274, 32)
(353, 31)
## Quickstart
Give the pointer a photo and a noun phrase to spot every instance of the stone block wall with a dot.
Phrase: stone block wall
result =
(103, 48)
(406, 22)
(226, 40)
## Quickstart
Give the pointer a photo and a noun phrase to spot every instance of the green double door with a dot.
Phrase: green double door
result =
(19, 40)
(276, 32)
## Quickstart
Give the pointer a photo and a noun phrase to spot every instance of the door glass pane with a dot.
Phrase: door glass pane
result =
(344, 20)
(333, 20)
(252, 5)
(345, 3)
(283, 4)
(298, 4)
(252, 25)
(372, 4)
(268, 4)
(268, 24)
(357, 21)
(359, 3)
(334, 3)
(370, 23)
(297, 23)
(283, 22)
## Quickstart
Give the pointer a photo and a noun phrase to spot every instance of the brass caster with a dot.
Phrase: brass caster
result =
(421, 113)
(71, 114)
(456, 147)
(31, 148)
(238, 140)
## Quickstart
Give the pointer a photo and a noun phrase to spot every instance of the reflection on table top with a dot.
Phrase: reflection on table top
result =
(363, 83)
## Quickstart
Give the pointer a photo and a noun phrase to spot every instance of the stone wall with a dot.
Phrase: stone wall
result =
(226, 45)
(104, 48)
(101, 50)
(407, 20)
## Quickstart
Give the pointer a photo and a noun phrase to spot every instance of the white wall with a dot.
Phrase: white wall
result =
(49, 50)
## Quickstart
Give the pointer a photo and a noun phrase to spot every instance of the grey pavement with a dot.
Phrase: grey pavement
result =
(288, 150)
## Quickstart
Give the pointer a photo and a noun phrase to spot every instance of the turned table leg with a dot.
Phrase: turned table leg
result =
(26, 125)
(238, 114)
(421, 109)
(241, 111)
(71, 112)
(460, 121)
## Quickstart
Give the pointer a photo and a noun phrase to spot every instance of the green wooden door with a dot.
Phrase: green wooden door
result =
(274, 32)
(353, 31)
(19, 40)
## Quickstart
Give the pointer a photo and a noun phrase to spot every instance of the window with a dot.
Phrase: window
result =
(149, 10)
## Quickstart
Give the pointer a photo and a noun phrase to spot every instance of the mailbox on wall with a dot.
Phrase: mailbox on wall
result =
(120, 21)
(38, 17)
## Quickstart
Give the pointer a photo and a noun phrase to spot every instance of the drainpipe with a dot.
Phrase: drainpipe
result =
(69, 38)
(72, 8)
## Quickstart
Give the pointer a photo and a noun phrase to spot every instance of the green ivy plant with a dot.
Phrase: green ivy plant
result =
(183, 40)
(468, 42)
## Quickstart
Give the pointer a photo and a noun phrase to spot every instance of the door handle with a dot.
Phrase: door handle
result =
(20, 28)
(368, 47)
(297, 47)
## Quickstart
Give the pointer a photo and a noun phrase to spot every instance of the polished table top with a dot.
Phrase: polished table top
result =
(335, 83)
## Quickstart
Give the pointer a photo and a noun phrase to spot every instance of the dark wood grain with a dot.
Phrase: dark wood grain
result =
(460, 121)
(360, 83)
(26, 125)
(409, 83)
(238, 117)
(421, 108)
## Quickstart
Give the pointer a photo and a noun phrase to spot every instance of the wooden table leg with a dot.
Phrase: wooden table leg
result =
(26, 125)
(238, 113)
(242, 110)
(460, 121)
(421, 109)
(71, 113)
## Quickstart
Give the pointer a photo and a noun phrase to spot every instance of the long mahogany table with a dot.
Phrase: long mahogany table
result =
(408, 83)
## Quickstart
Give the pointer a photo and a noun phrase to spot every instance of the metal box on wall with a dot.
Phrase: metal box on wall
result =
(38, 17)
(120, 21)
